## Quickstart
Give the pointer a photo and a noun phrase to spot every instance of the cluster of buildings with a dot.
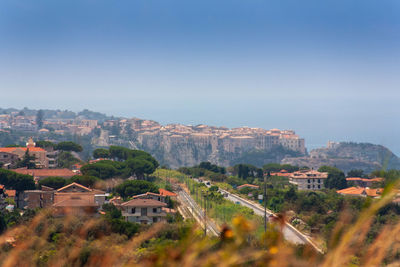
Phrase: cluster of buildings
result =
(72, 126)
(9, 156)
(76, 199)
(43, 159)
(224, 138)
(314, 180)
(17, 122)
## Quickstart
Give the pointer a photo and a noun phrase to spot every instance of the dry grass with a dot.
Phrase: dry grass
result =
(87, 242)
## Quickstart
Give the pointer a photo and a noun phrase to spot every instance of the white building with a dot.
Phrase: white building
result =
(144, 211)
(308, 180)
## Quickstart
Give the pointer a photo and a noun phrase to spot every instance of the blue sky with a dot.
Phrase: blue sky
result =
(328, 69)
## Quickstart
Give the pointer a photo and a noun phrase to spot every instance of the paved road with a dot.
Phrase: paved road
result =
(197, 212)
(289, 232)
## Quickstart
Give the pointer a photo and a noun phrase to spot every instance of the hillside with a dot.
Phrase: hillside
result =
(347, 156)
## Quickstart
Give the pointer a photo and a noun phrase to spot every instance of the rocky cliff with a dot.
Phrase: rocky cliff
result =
(179, 145)
(348, 156)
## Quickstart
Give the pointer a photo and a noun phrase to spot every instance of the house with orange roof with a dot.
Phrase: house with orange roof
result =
(251, 186)
(364, 182)
(10, 193)
(281, 173)
(77, 199)
(40, 154)
(39, 174)
(167, 193)
(150, 195)
(144, 211)
(361, 191)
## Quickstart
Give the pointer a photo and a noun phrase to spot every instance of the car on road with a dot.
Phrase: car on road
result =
(208, 183)
(237, 202)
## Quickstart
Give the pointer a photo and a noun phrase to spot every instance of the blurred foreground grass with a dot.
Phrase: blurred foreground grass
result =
(73, 241)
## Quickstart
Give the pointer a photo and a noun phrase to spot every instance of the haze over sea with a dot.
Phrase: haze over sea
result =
(327, 69)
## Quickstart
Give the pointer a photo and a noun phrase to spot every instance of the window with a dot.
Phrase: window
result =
(319, 186)
(154, 210)
(133, 210)
(154, 219)
(143, 212)
(308, 180)
(308, 186)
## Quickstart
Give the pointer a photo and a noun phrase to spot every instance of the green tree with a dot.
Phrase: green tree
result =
(45, 144)
(85, 180)
(101, 153)
(103, 169)
(356, 173)
(69, 146)
(135, 187)
(13, 145)
(27, 161)
(16, 181)
(53, 182)
(336, 178)
(65, 159)
(276, 167)
(111, 211)
(140, 166)
(119, 152)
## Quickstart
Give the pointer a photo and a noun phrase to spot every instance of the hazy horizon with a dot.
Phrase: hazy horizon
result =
(328, 70)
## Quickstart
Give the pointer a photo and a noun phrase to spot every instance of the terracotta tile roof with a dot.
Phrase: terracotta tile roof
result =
(144, 203)
(146, 194)
(166, 193)
(46, 172)
(116, 200)
(364, 179)
(2, 186)
(74, 200)
(309, 175)
(374, 192)
(282, 173)
(353, 179)
(247, 185)
(12, 149)
(362, 191)
(46, 188)
(74, 184)
(10, 193)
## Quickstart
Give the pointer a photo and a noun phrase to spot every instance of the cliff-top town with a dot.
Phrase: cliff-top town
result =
(229, 139)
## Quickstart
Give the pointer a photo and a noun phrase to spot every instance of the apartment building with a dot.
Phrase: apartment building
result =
(144, 211)
(308, 180)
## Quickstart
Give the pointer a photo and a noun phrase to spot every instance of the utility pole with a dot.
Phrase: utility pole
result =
(205, 214)
(265, 202)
